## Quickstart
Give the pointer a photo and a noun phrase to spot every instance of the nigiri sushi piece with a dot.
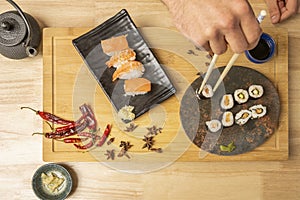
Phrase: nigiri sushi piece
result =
(121, 57)
(137, 86)
(114, 44)
(129, 70)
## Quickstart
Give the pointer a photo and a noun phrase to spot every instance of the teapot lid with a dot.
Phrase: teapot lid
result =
(12, 29)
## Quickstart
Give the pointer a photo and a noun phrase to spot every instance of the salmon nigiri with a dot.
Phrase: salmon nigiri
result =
(137, 86)
(120, 58)
(114, 44)
(128, 70)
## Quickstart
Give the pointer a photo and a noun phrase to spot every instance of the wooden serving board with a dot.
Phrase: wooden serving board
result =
(67, 83)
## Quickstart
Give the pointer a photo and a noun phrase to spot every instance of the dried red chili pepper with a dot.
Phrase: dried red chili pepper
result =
(88, 134)
(50, 117)
(73, 140)
(104, 136)
(52, 135)
(69, 127)
(56, 135)
(64, 131)
(86, 146)
(89, 116)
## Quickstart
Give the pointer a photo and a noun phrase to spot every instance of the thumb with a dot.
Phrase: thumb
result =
(274, 10)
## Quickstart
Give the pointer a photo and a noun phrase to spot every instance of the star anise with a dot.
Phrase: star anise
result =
(131, 127)
(126, 145)
(154, 130)
(149, 142)
(110, 154)
(122, 153)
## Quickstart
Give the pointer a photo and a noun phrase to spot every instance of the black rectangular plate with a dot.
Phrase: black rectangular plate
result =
(89, 47)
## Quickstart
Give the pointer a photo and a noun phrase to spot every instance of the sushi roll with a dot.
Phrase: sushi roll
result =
(256, 91)
(137, 86)
(213, 125)
(242, 117)
(241, 96)
(227, 119)
(258, 111)
(207, 91)
(129, 70)
(227, 102)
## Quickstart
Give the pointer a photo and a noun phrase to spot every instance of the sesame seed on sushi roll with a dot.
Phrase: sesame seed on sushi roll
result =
(258, 111)
(227, 119)
(227, 102)
(213, 125)
(241, 96)
(256, 91)
(242, 117)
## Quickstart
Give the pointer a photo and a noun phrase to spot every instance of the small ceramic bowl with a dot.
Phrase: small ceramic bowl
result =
(42, 191)
(264, 51)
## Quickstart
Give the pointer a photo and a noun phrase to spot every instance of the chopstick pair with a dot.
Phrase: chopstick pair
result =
(222, 76)
(235, 56)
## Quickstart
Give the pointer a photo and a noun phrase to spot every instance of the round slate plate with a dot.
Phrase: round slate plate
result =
(42, 192)
(195, 112)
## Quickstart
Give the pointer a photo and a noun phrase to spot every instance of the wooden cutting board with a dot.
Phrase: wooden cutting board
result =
(67, 83)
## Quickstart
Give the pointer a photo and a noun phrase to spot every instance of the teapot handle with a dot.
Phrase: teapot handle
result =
(30, 50)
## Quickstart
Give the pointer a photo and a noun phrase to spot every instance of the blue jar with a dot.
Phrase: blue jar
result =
(264, 50)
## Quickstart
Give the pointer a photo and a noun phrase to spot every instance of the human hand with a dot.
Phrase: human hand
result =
(215, 24)
(281, 10)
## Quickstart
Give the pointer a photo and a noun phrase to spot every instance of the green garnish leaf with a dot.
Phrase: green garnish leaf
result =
(229, 148)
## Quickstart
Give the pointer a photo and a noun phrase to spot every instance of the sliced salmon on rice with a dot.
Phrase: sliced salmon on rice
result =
(128, 70)
(120, 58)
(114, 44)
(137, 86)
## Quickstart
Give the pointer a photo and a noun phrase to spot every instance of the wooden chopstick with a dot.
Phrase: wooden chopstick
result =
(260, 18)
(226, 70)
(209, 70)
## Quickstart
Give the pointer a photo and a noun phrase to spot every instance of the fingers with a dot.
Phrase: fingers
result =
(218, 44)
(251, 28)
(245, 33)
(281, 10)
(237, 41)
(288, 9)
(273, 10)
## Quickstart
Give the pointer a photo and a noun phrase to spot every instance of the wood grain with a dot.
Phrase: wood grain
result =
(21, 84)
(63, 68)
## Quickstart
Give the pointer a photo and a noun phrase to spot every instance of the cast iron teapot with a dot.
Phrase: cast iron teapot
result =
(20, 34)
